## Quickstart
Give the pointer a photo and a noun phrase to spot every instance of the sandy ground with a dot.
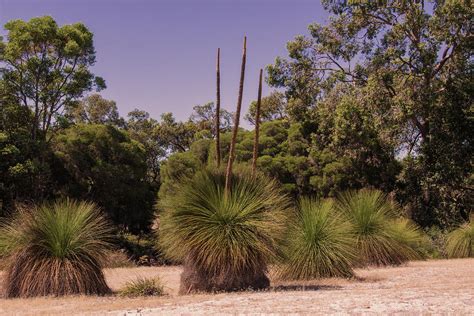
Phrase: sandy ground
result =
(429, 287)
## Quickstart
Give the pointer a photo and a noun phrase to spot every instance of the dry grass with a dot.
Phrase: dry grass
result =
(435, 286)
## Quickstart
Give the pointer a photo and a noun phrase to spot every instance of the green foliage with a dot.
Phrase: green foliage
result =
(175, 136)
(381, 239)
(272, 108)
(94, 109)
(407, 233)
(23, 174)
(39, 58)
(460, 242)
(143, 249)
(55, 249)
(437, 247)
(204, 117)
(177, 167)
(143, 287)
(318, 167)
(319, 243)
(102, 164)
(224, 234)
(380, 81)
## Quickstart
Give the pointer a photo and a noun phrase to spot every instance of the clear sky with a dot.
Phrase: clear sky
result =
(159, 56)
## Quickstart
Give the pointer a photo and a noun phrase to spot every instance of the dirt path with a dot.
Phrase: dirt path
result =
(431, 287)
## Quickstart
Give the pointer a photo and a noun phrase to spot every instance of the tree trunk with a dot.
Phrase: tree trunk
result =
(218, 109)
(257, 125)
(228, 174)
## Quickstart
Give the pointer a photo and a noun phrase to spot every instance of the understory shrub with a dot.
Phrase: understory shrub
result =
(142, 249)
(381, 238)
(55, 249)
(142, 287)
(319, 243)
(437, 237)
(225, 239)
(460, 242)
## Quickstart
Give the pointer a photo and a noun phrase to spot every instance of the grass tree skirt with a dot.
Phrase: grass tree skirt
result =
(194, 279)
(27, 277)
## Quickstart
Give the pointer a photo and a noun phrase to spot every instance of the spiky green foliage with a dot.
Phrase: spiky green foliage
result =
(460, 243)
(225, 238)
(380, 239)
(143, 287)
(55, 249)
(319, 243)
(407, 233)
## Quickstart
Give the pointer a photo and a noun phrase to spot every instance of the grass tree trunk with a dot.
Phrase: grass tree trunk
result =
(218, 108)
(228, 174)
(257, 125)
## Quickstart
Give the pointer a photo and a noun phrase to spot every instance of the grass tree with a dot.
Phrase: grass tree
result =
(319, 243)
(460, 243)
(228, 175)
(226, 238)
(257, 124)
(55, 249)
(218, 108)
(381, 238)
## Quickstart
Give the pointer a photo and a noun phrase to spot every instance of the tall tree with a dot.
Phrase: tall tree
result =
(257, 124)
(144, 129)
(101, 163)
(94, 109)
(218, 108)
(272, 107)
(204, 117)
(46, 67)
(402, 56)
(230, 161)
(175, 136)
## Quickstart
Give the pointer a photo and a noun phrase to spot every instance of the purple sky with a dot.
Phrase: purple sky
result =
(159, 56)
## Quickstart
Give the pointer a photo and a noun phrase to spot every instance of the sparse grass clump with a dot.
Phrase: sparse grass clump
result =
(460, 242)
(143, 287)
(380, 238)
(55, 249)
(319, 243)
(225, 238)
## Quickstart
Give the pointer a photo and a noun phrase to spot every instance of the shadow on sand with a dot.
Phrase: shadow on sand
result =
(300, 287)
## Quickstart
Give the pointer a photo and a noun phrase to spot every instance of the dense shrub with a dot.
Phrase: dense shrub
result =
(101, 163)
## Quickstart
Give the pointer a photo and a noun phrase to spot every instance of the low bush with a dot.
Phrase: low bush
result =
(143, 287)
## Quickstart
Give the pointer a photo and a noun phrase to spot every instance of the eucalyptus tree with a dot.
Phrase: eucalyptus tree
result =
(409, 61)
(46, 66)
